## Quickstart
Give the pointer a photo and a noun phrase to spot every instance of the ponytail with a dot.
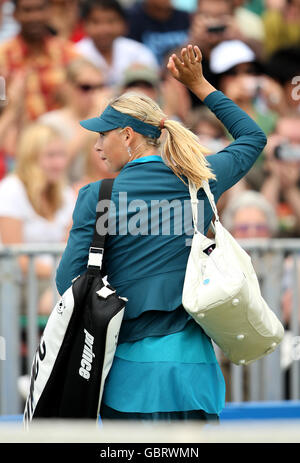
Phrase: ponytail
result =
(182, 151)
(184, 155)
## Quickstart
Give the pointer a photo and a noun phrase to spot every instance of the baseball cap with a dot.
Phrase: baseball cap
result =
(228, 54)
(138, 73)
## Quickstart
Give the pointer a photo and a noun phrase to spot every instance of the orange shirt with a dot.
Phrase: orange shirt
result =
(45, 72)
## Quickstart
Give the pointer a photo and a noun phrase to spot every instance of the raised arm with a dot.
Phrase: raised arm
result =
(233, 162)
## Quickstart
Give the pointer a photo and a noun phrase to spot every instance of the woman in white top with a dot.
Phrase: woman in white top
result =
(105, 44)
(36, 203)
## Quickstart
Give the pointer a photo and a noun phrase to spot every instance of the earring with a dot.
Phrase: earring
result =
(129, 151)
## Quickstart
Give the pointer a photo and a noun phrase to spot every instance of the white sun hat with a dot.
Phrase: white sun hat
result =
(228, 54)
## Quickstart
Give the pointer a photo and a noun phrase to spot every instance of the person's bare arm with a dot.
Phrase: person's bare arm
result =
(283, 178)
(292, 197)
(11, 232)
(271, 189)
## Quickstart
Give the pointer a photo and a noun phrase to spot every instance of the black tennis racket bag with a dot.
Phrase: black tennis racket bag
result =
(78, 344)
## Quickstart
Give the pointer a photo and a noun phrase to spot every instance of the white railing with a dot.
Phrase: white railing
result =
(266, 379)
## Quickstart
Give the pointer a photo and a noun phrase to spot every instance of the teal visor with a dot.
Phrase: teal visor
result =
(111, 119)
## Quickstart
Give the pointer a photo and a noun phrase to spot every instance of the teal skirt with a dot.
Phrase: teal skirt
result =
(108, 413)
(166, 374)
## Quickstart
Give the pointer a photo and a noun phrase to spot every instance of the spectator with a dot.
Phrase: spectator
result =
(250, 215)
(68, 26)
(160, 88)
(282, 166)
(257, 6)
(11, 121)
(84, 93)
(35, 204)
(138, 77)
(159, 26)
(274, 4)
(175, 99)
(241, 76)
(105, 44)
(210, 132)
(41, 56)
(284, 67)
(185, 5)
(250, 23)
(214, 22)
(282, 26)
(8, 26)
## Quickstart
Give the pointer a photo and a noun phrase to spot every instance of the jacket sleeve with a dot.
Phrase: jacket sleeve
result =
(234, 161)
(75, 256)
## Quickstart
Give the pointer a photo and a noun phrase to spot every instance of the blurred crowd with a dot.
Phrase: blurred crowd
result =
(62, 60)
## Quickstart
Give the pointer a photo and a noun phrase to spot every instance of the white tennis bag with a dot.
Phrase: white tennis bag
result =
(221, 292)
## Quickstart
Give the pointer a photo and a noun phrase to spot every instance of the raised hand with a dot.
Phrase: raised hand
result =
(188, 68)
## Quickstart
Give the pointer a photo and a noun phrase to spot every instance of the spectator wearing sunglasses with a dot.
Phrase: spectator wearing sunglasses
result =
(250, 215)
(84, 92)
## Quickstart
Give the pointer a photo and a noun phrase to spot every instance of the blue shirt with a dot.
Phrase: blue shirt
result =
(177, 371)
(159, 36)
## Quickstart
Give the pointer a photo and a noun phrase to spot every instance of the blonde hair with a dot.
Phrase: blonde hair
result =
(33, 140)
(182, 151)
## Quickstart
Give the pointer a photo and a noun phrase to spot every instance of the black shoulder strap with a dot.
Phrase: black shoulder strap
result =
(98, 243)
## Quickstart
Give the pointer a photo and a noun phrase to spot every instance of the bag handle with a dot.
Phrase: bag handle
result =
(211, 199)
(194, 202)
(96, 251)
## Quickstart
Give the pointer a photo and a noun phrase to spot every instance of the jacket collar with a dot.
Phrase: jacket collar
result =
(143, 159)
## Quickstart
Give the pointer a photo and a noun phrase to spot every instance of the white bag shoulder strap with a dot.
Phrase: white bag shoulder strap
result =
(211, 199)
(194, 201)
